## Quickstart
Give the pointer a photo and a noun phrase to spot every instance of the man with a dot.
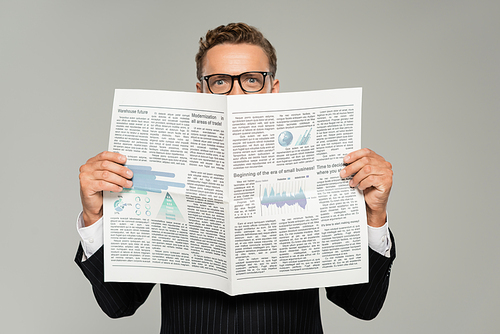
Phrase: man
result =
(243, 54)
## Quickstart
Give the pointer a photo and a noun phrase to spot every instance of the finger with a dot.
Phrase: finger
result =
(95, 186)
(110, 156)
(112, 178)
(357, 165)
(356, 155)
(90, 168)
(372, 176)
(371, 181)
(99, 180)
(104, 175)
(114, 168)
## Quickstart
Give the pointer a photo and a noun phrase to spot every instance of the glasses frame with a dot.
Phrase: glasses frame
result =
(265, 74)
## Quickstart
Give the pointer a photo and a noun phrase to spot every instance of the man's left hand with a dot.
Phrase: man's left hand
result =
(373, 175)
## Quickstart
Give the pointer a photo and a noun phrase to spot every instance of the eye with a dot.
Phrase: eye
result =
(219, 80)
(252, 80)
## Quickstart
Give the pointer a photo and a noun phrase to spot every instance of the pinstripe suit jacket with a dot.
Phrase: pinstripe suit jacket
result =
(195, 310)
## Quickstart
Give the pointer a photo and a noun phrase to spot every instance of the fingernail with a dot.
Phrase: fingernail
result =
(347, 158)
(342, 172)
(351, 183)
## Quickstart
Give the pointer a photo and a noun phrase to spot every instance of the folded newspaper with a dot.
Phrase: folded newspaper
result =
(240, 194)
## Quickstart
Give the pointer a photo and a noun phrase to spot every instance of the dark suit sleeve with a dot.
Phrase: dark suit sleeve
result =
(115, 299)
(365, 300)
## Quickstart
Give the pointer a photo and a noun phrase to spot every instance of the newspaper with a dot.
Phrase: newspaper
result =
(240, 194)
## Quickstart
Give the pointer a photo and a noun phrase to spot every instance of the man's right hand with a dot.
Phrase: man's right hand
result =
(105, 171)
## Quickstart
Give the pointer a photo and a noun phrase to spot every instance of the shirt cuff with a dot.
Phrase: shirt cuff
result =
(92, 236)
(379, 239)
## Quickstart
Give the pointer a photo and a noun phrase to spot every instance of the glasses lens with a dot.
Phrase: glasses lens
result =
(252, 82)
(220, 84)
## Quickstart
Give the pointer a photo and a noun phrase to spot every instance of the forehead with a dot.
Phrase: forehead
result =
(235, 59)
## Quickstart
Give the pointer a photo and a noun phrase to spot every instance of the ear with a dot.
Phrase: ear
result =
(198, 88)
(276, 86)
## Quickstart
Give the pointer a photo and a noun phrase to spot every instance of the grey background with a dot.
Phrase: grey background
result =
(430, 73)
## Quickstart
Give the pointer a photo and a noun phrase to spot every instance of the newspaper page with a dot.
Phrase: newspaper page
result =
(236, 193)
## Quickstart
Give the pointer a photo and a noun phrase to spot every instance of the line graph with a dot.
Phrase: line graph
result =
(283, 197)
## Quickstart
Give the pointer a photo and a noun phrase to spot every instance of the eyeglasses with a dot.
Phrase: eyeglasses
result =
(250, 82)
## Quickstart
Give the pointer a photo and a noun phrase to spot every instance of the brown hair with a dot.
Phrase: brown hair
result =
(235, 33)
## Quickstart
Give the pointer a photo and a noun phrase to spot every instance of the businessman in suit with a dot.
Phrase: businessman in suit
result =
(237, 59)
